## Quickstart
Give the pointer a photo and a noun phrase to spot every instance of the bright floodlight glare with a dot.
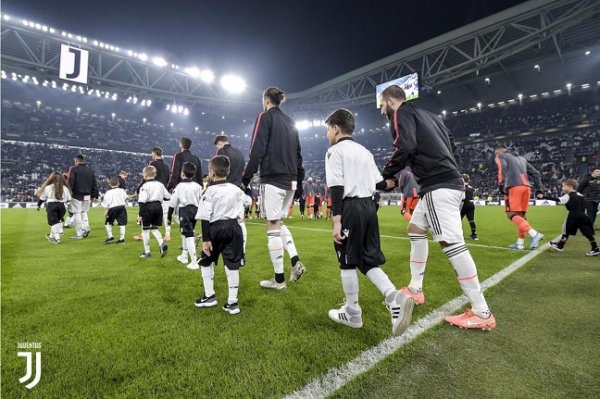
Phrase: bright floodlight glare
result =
(569, 85)
(186, 112)
(70, 36)
(159, 62)
(233, 84)
(25, 22)
(168, 107)
(588, 52)
(38, 102)
(44, 28)
(130, 53)
(192, 71)
(78, 109)
(143, 57)
(148, 103)
(113, 114)
(6, 17)
(207, 76)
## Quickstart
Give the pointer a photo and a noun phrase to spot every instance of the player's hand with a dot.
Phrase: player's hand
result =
(338, 237)
(391, 184)
(502, 189)
(207, 247)
(139, 220)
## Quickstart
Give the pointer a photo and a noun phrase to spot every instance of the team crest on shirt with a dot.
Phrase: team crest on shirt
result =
(328, 154)
(346, 232)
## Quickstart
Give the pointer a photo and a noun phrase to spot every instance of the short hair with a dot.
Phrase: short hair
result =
(186, 143)
(188, 169)
(595, 168)
(79, 158)
(149, 171)
(275, 95)
(466, 178)
(123, 173)
(158, 151)
(221, 138)
(571, 182)
(393, 91)
(220, 165)
(113, 182)
(342, 118)
(501, 147)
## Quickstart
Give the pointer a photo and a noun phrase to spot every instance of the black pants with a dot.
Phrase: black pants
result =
(469, 212)
(591, 208)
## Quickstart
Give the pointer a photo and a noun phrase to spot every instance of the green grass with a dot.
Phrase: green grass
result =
(116, 326)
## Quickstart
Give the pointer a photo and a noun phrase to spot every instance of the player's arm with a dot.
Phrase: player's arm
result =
(501, 164)
(405, 143)
(300, 172)
(172, 205)
(175, 172)
(258, 148)
(204, 213)
(95, 191)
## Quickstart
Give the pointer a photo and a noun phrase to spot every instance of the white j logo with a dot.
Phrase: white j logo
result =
(38, 368)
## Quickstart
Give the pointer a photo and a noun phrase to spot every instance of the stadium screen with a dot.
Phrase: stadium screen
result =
(410, 84)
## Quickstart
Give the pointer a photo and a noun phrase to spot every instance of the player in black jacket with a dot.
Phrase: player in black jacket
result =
(276, 149)
(590, 188)
(422, 142)
(468, 207)
(84, 187)
(184, 155)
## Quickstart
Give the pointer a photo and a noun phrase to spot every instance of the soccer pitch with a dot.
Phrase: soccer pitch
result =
(112, 325)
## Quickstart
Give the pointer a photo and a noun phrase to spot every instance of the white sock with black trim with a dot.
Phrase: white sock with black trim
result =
(419, 251)
(350, 287)
(233, 281)
(381, 281)
(208, 279)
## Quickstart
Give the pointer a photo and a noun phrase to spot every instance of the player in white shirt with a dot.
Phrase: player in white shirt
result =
(115, 201)
(221, 234)
(55, 193)
(151, 196)
(186, 197)
(353, 178)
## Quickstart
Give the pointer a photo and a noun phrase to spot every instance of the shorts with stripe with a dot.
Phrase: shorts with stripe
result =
(517, 199)
(227, 240)
(187, 220)
(361, 249)
(275, 202)
(118, 213)
(152, 214)
(439, 212)
(55, 211)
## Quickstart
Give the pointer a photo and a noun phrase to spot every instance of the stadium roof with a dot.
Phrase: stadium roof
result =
(553, 34)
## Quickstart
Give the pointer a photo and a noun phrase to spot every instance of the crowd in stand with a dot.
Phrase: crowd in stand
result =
(36, 140)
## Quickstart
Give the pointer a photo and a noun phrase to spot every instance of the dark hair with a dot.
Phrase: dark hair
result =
(158, 151)
(188, 169)
(221, 138)
(113, 182)
(275, 95)
(79, 158)
(595, 168)
(220, 165)
(57, 180)
(393, 91)
(571, 182)
(466, 178)
(186, 143)
(343, 119)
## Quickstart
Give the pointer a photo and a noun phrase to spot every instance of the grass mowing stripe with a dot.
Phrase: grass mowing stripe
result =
(388, 236)
(335, 378)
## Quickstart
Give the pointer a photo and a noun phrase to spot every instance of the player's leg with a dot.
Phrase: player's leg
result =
(298, 268)
(187, 217)
(419, 252)
(110, 218)
(232, 259)
(272, 204)
(443, 211)
(207, 268)
(165, 209)
(470, 213)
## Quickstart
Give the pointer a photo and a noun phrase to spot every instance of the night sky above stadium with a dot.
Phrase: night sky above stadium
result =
(291, 44)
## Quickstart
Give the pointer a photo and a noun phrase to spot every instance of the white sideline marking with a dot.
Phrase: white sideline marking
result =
(469, 244)
(337, 377)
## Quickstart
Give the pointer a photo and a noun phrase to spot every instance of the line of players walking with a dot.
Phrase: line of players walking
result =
(435, 197)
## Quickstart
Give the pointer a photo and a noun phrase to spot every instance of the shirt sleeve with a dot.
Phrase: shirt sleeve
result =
(405, 142)
(174, 198)
(143, 196)
(105, 199)
(166, 195)
(205, 207)
(44, 194)
(500, 165)
(564, 199)
(334, 168)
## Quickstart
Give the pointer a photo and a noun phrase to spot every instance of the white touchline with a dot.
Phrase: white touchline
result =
(394, 237)
(336, 378)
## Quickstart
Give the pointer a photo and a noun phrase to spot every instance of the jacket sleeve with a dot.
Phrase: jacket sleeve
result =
(405, 142)
(300, 172)
(500, 166)
(199, 171)
(258, 147)
(583, 184)
(95, 191)
(175, 172)
(535, 175)
(71, 177)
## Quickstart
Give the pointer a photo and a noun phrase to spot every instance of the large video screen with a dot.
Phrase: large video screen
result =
(410, 84)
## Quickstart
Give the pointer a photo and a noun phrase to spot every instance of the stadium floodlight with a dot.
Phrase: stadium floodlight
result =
(38, 102)
(84, 39)
(95, 43)
(114, 97)
(90, 92)
(73, 88)
(134, 99)
(588, 52)
(79, 38)
(479, 106)
(172, 124)
(168, 107)
(196, 129)
(148, 103)
(107, 95)
(113, 115)
(44, 28)
(569, 85)
(192, 71)
(70, 36)
(520, 96)
(159, 61)
(180, 109)
(52, 30)
(439, 92)
(78, 109)
(117, 49)
(143, 103)
(233, 84)
(130, 53)
(143, 57)
(444, 112)
(112, 48)
(101, 45)
(144, 120)
(537, 68)
(207, 76)
(38, 26)
(488, 81)
(186, 112)
(6, 17)
(25, 22)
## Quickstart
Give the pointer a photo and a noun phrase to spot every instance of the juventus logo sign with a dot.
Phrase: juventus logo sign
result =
(73, 64)
(29, 368)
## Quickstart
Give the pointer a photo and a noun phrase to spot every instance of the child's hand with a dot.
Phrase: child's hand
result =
(207, 247)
